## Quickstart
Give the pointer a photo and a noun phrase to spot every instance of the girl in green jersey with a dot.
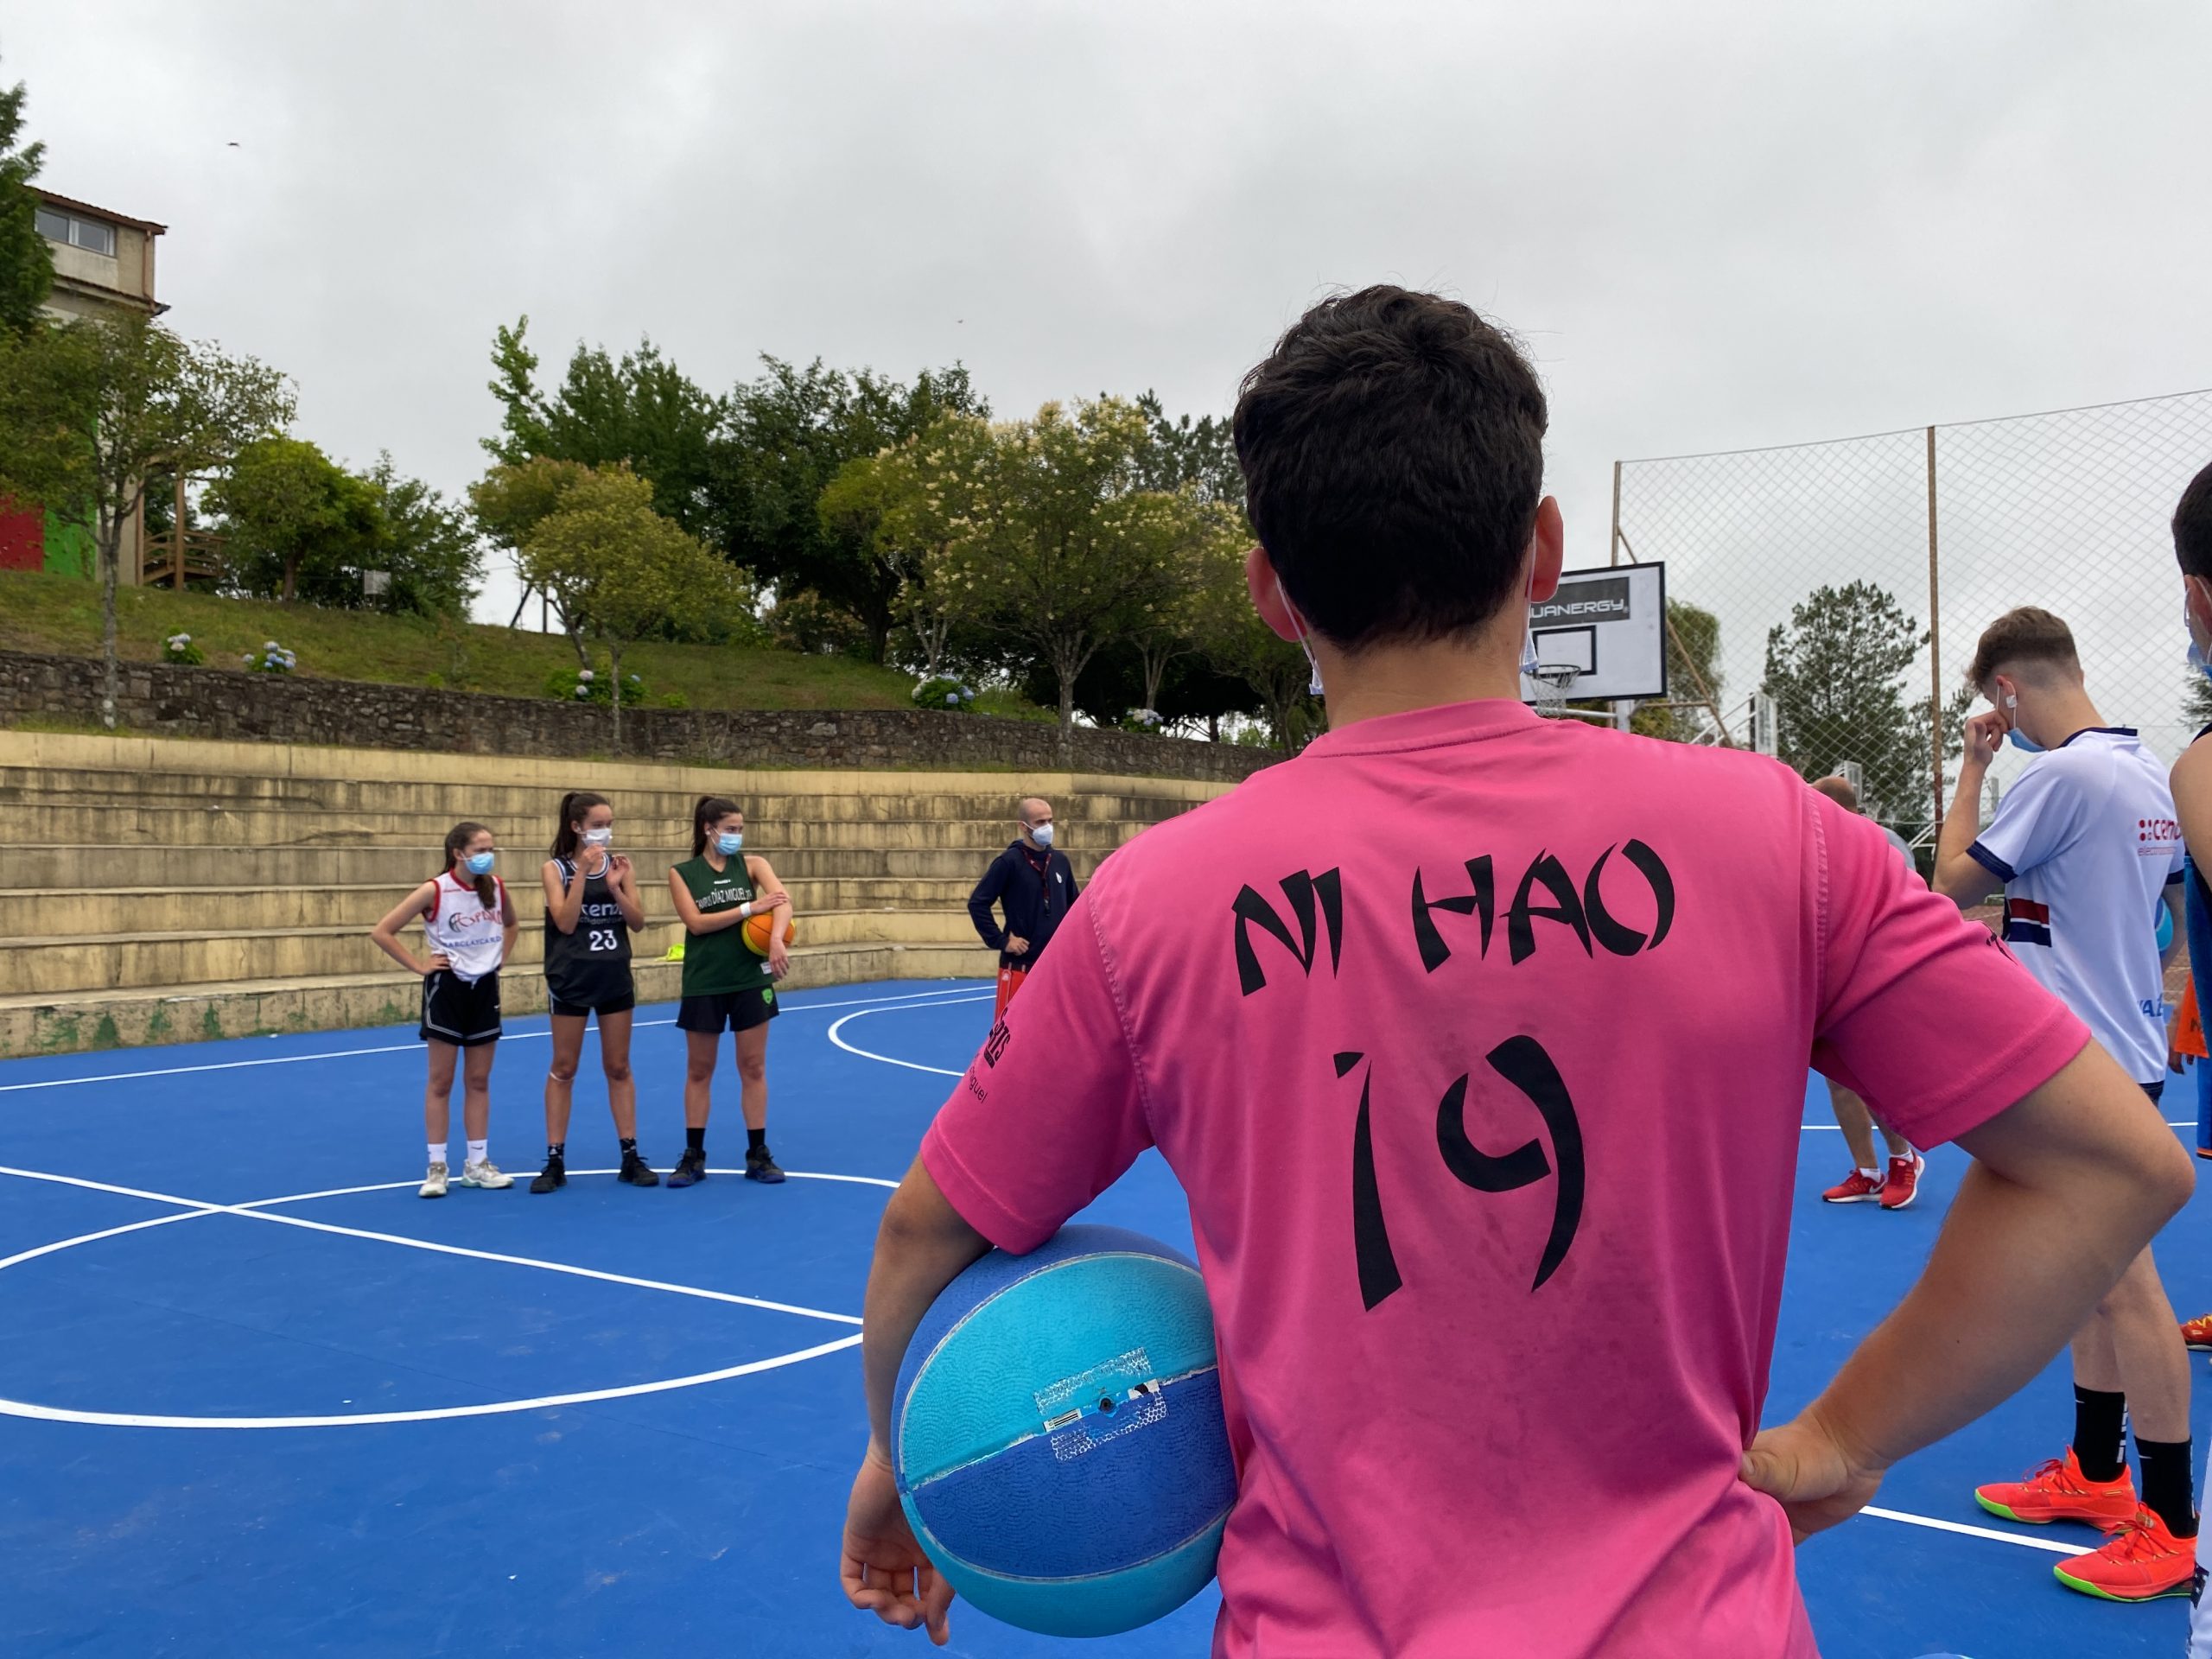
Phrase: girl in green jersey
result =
(726, 986)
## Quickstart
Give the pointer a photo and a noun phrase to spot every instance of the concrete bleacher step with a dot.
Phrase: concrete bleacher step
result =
(108, 911)
(125, 960)
(165, 889)
(32, 1024)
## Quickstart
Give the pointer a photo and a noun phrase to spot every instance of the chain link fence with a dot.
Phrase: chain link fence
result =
(1825, 598)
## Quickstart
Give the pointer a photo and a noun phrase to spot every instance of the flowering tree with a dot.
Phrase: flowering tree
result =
(1047, 536)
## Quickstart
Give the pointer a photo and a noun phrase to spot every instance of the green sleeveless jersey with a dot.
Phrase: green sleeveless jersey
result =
(718, 964)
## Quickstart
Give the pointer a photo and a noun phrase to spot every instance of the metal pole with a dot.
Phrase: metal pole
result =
(1935, 648)
(1613, 547)
(176, 533)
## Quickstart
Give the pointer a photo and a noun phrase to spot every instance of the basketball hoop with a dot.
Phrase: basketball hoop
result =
(1554, 682)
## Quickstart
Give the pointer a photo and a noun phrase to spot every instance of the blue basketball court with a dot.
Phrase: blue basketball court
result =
(257, 1398)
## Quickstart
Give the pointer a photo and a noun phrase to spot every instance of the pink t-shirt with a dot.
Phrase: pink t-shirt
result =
(1478, 1042)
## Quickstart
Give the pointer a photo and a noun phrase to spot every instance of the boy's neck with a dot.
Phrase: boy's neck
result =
(1401, 679)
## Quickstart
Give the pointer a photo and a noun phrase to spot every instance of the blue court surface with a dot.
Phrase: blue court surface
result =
(260, 1399)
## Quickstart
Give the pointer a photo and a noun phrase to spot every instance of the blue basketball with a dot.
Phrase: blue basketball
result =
(1058, 1438)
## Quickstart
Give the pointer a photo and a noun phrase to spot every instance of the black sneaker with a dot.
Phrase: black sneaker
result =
(555, 1174)
(761, 1165)
(691, 1167)
(636, 1171)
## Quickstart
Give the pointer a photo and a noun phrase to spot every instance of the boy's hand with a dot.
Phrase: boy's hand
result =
(1816, 1481)
(884, 1570)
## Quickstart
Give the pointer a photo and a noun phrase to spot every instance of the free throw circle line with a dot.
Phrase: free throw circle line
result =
(837, 1027)
(195, 1208)
(191, 1209)
(433, 1413)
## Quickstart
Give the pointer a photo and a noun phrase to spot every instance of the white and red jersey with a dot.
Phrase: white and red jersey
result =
(471, 934)
(2085, 841)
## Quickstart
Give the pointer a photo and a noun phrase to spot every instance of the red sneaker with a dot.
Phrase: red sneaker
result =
(2140, 1561)
(2196, 1333)
(1857, 1187)
(1903, 1181)
(2060, 1492)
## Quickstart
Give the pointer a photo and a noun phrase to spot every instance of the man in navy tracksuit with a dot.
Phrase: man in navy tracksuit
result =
(1034, 886)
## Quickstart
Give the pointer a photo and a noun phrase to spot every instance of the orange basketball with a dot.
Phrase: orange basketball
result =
(759, 929)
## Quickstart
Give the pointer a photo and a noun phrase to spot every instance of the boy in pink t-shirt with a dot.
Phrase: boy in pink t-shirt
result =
(1446, 1027)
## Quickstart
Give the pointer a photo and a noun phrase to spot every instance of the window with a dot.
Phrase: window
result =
(94, 235)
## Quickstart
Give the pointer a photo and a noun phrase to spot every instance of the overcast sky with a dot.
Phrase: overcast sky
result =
(1716, 225)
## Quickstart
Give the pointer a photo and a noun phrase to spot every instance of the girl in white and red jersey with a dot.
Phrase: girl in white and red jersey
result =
(468, 922)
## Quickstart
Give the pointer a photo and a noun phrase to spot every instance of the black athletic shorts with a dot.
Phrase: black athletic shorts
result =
(600, 994)
(2156, 1091)
(457, 1012)
(732, 1011)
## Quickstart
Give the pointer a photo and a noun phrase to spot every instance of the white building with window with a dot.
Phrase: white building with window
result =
(103, 261)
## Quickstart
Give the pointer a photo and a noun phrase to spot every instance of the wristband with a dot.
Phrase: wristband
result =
(744, 911)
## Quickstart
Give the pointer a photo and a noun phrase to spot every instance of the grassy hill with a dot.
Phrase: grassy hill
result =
(62, 614)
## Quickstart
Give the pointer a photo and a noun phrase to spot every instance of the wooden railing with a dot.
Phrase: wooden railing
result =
(171, 561)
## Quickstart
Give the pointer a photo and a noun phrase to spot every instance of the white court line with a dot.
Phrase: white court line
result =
(912, 999)
(433, 1413)
(199, 1208)
(1975, 1532)
(194, 1210)
(837, 1026)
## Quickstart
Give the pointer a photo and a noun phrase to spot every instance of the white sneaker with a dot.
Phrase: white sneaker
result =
(434, 1185)
(484, 1174)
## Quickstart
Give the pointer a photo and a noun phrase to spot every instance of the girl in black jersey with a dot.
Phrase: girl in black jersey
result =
(591, 905)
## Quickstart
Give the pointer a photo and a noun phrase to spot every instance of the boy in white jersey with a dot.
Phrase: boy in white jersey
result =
(2084, 844)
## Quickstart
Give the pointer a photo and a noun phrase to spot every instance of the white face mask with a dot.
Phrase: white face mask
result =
(599, 837)
(1313, 685)
(1042, 835)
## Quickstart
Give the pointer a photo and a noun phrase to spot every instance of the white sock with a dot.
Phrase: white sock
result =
(1871, 1174)
(476, 1151)
(437, 1153)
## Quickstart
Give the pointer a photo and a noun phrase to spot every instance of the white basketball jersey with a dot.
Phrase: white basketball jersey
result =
(2085, 841)
(472, 937)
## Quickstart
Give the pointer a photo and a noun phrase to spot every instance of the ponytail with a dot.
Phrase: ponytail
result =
(709, 808)
(457, 840)
(573, 805)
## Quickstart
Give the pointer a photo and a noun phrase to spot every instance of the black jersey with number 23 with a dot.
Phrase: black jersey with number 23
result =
(590, 965)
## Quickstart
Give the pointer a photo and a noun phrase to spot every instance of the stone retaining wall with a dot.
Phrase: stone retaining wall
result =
(161, 699)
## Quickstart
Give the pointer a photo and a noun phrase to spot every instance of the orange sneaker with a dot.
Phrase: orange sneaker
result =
(1903, 1181)
(2140, 1561)
(1857, 1187)
(2196, 1333)
(2059, 1491)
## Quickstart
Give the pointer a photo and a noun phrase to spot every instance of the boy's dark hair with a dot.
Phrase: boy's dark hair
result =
(1392, 445)
(2021, 638)
(2193, 526)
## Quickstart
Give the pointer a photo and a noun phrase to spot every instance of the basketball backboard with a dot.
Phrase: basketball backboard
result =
(1603, 634)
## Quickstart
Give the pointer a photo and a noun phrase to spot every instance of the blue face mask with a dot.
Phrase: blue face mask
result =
(728, 841)
(2197, 658)
(480, 863)
(2020, 740)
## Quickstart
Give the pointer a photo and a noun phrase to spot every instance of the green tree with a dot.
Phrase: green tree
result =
(1694, 679)
(296, 524)
(620, 572)
(510, 501)
(787, 436)
(1053, 544)
(26, 264)
(1836, 672)
(433, 556)
(1200, 455)
(89, 411)
(1276, 668)
(639, 412)
(2196, 700)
